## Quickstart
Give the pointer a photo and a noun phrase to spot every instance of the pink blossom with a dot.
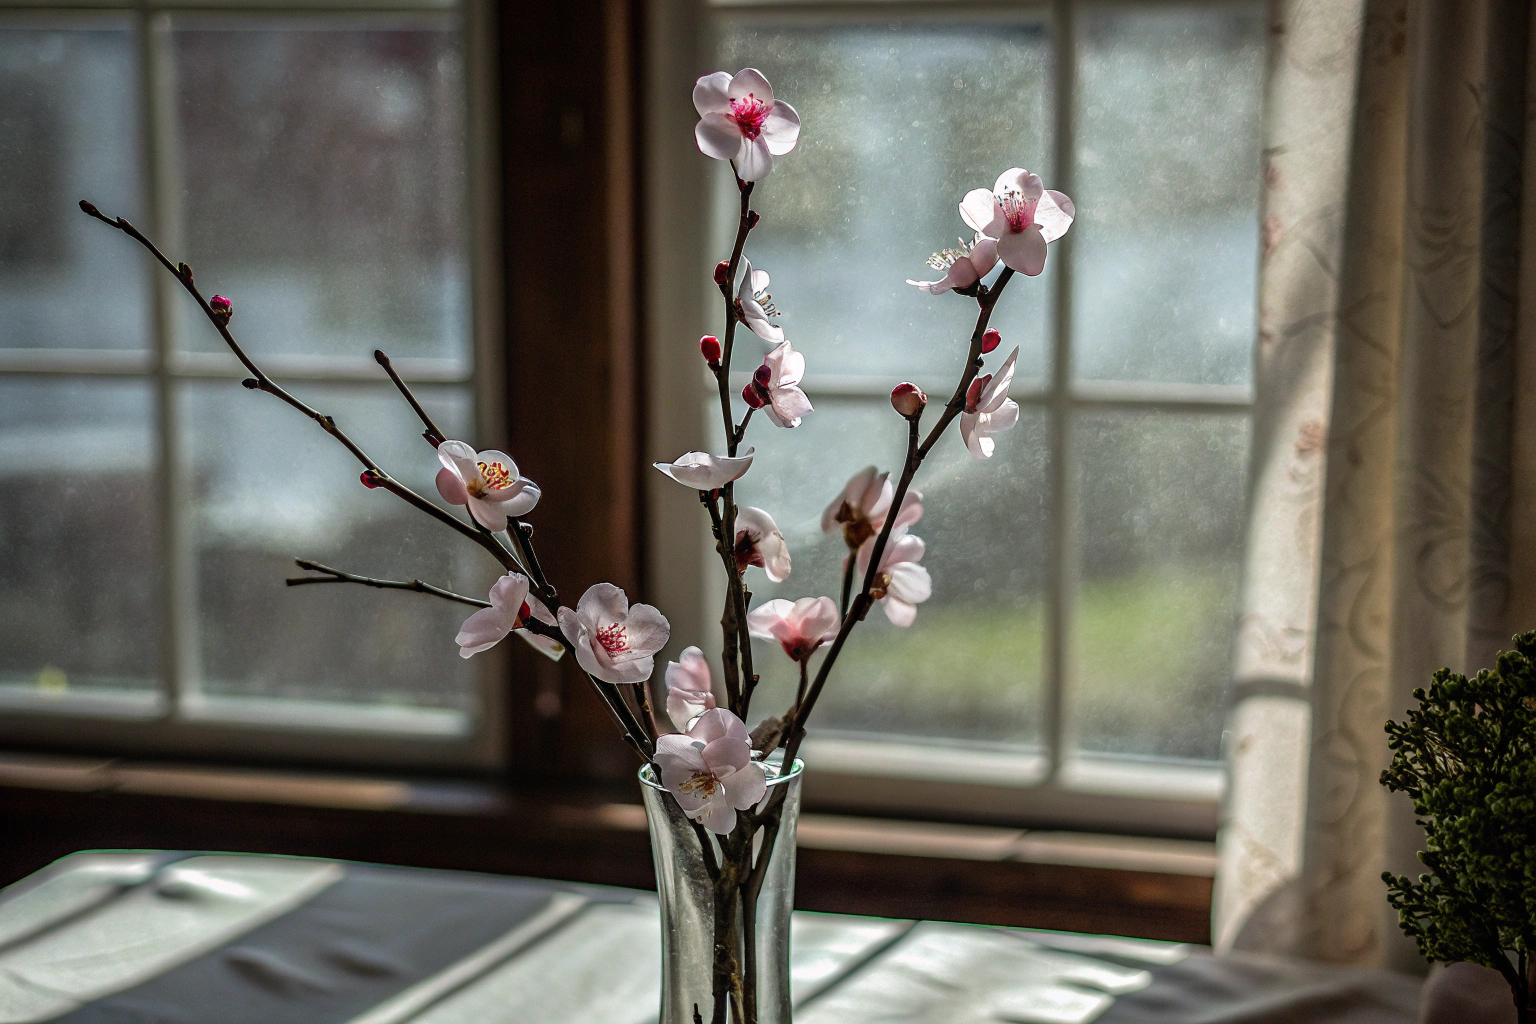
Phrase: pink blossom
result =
(865, 502)
(488, 482)
(786, 402)
(690, 688)
(900, 584)
(510, 610)
(962, 267)
(799, 626)
(759, 542)
(908, 399)
(988, 409)
(613, 641)
(710, 771)
(740, 121)
(1022, 215)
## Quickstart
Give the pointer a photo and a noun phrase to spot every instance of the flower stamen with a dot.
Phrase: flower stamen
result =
(1019, 213)
(612, 638)
(497, 476)
(702, 784)
(750, 113)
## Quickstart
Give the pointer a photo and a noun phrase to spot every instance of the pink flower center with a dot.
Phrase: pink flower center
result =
(497, 476)
(612, 638)
(749, 113)
(703, 784)
(1019, 213)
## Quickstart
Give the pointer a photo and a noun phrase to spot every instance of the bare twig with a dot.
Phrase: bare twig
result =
(416, 586)
(433, 435)
(259, 381)
(633, 734)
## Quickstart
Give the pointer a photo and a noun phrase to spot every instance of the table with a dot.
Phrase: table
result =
(181, 938)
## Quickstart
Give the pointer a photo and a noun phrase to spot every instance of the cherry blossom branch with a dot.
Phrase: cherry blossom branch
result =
(337, 576)
(848, 571)
(259, 381)
(729, 631)
(433, 435)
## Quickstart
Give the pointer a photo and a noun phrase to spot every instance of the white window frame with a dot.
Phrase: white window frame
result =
(873, 775)
(292, 732)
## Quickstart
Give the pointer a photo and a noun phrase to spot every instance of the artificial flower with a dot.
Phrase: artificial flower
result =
(690, 688)
(705, 472)
(988, 409)
(962, 267)
(710, 771)
(613, 641)
(756, 305)
(740, 121)
(488, 482)
(861, 509)
(799, 626)
(786, 402)
(1022, 215)
(900, 584)
(759, 542)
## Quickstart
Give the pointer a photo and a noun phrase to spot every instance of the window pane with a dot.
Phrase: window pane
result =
(970, 668)
(1160, 525)
(68, 123)
(324, 184)
(268, 486)
(79, 552)
(1166, 248)
(900, 121)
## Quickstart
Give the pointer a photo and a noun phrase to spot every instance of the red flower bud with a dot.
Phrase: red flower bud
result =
(752, 219)
(709, 348)
(222, 308)
(754, 395)
(973, 393)
(990, 340)
(762, 375)
(369, 480)
(722, 272)
(524, 613)
(908, 399)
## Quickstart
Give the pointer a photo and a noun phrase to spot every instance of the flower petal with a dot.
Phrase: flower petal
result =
(718, 137)
(981, 213)
(510, 592)
(601, 605)
(750, 82)
(1024, 251)
(976, 443)
(931, 287)
(459, 457)
(782, 129)
(551, 649)
(525, 500)
(451, 487)
(648, 630)
(996, 391)
(485, 628)
(745, 787)
(705, 472)
(984, 255)
(1017, 179)
(1054, 214)
(754, 161)
(492, 517)
(727, 754)
(900, 612)
(910, 582)
(762, 620)
(789, 405)
(711, 93)
(718, 816)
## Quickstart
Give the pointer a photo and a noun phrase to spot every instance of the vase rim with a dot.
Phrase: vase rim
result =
(774, 779)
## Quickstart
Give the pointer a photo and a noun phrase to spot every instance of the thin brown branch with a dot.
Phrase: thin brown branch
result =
(433, 435)
(633, 734)
(259, 381)
(416, 586)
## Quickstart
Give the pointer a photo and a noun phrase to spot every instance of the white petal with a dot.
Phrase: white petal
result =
(750, 82)
(782, 129)
(551, 649)
(911, 583)
(1005, 417)
(718, 815)
(711, 93)
(754, 161)
(984, 255)
(931, 287)
(817, 617)
(762, 620)
(510, 592)
(1054, 214)
(758, 280)
(705, 472)
(485, 628)
(718, 136)
(451, 487)
(647, 629)
(790, 404)
(898, 611)
(981, 213)
(760, 325)
(1017, 179)
(488, 515)
(977, 444)
(602, 605)
(525, 501)
(786, 365)
(460, 458)
(1024, 251)
(744, 788)
(744, 291)
(996, 391)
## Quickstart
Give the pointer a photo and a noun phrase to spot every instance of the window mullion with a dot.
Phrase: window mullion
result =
(1061, 551)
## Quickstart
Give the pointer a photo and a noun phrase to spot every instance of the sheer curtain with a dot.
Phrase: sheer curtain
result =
(1394, 465)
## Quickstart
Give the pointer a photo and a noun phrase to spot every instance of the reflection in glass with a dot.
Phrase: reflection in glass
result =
(267, 486)
(970, 668)
(1165, 256)
(79, 550)
(901, 120)
(324, 184)
(68, 131)
(1160, 525)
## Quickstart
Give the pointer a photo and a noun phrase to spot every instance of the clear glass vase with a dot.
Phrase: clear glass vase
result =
(687, 896)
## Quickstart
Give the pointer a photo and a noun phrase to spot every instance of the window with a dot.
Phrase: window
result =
(319, 168)
(1073, 659)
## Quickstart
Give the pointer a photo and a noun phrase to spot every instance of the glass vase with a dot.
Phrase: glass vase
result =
(688, 909)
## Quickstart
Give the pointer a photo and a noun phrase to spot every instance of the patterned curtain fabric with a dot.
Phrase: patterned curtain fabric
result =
(1393, 517)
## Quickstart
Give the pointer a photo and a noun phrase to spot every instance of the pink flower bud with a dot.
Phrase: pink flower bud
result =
(973, 393)
(908, 399)
(722, 272)
(762, 375)
(752, 219)
(754, 395)
(369, 480)
(990, 340)
(222, 308)
(709, 348)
